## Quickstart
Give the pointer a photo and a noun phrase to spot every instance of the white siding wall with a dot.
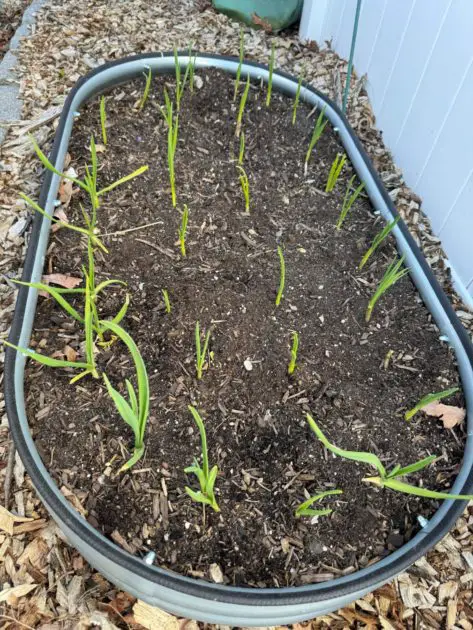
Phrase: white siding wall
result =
(418, 57)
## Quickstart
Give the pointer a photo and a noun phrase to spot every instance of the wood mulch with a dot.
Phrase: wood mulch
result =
(46, 583)
(11, 12)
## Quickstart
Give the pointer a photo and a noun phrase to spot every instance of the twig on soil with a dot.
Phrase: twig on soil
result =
(133, 229)
(159, 249)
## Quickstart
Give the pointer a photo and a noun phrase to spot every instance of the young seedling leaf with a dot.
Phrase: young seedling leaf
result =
(316, 134)
(397, 471)
(400, 486)
(378, 239)
(335, 170)
(200, 352)
(393, 273)
(357, 456)
(47, 164)
(123, 408)
(348, 201)
(294, 350)
(123, 180)
(205, 476)
(49, 361)
(54, 293)
(430, 398)
(304, 509)
(148, 76)
(282, 275)
(143, 387)
(245, 187)
(167, 302)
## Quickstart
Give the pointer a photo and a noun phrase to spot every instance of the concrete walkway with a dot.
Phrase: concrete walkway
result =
(10, 101)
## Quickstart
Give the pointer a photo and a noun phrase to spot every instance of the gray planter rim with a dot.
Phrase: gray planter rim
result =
(364, 580)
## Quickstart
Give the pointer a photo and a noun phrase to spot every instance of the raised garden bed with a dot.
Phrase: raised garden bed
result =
(356, 378)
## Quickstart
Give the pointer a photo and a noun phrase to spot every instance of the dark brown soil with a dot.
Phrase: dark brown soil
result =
(257, 432)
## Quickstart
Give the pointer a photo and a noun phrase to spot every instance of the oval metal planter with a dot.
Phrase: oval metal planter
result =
(184, 596)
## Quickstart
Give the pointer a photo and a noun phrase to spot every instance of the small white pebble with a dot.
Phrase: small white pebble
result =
(248, 365)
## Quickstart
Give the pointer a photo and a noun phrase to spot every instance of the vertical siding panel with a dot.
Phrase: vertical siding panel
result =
(419, 58)
(370, 18)
(338, 9)
(393, 41)
(424, 27)
(450, 159)
(343, 41)
(457, 234)
(446, 66)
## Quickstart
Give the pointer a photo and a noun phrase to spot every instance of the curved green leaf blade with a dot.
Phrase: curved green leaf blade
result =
(430, 398)
(123, 408)
(400, 486)
(45, 360)
(406, 470)
(358, 456)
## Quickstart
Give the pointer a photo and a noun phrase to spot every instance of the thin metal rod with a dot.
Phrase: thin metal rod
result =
(350, 60)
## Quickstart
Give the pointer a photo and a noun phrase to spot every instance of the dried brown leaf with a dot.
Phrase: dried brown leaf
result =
(70, 353)
(62, 216)
(65, 192)
(61, 279)
(449, 414)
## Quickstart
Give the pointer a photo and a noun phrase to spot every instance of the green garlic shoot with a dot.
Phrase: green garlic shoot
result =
(238, 72)
(241, 109)
(183, 230)
(133, 411)
(173, 126)
(88, 184)
(335, 170)
(148, 76)
(430, 398)
(191, 67)
(241, 154)
(167, 303)
(270, 79)
(103, 120)
(385, 479)
(282, 275)
(392, 274)
(294, 350)
(349, 200)
(180, 84)
(318, 130)
(378, 239)
(200, 352)
(245, 187)
(296, 101)
(204, 474)
(304, 509)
